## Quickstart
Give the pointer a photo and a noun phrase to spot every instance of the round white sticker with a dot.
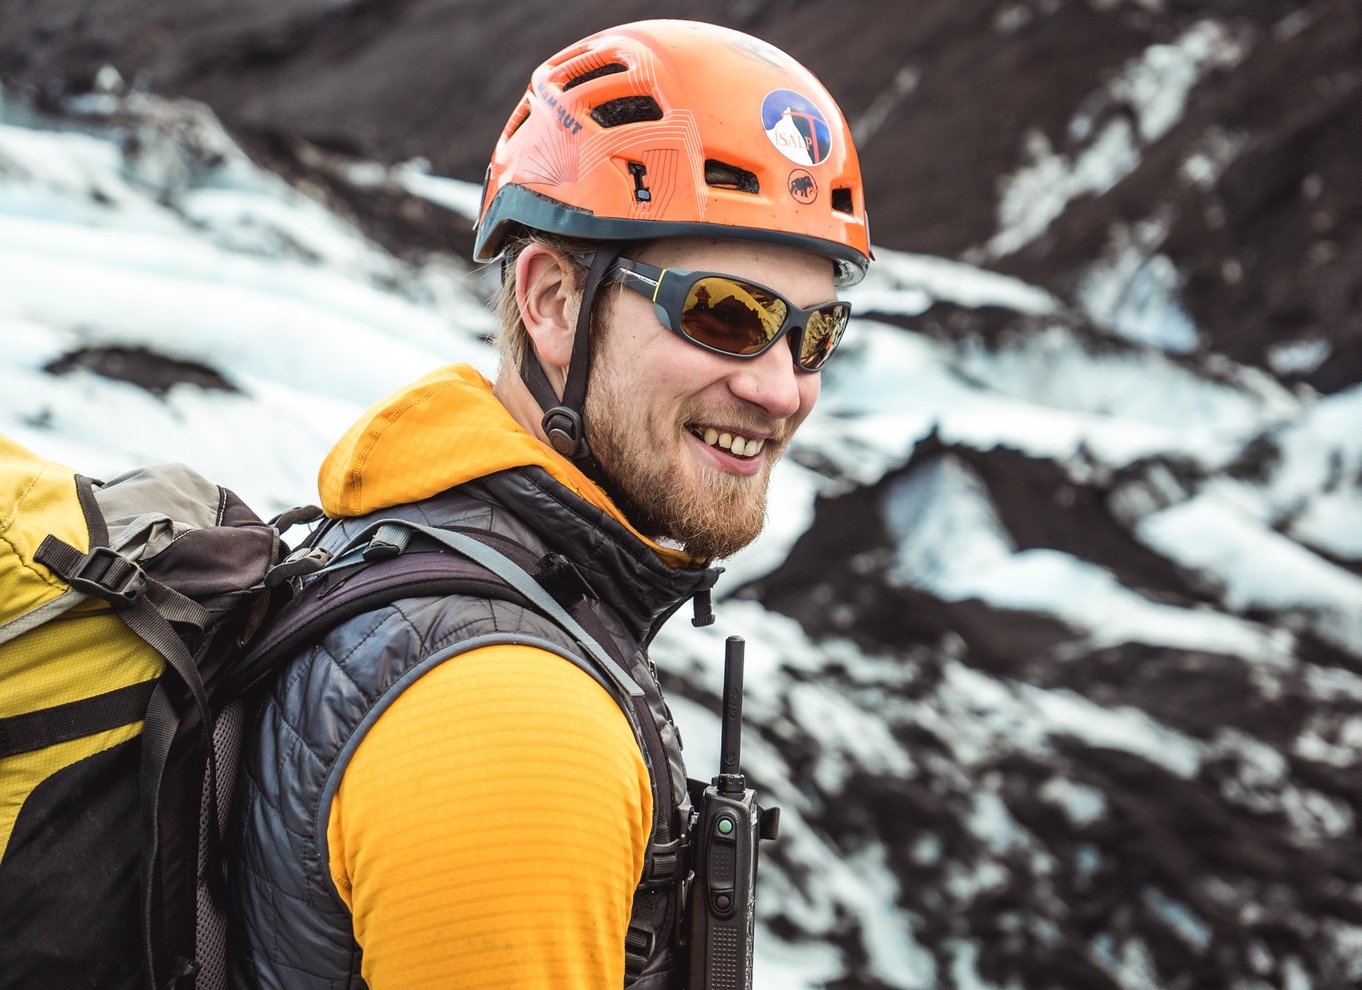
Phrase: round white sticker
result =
(796, 127)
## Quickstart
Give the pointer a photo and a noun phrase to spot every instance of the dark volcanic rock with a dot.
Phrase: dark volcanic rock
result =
(157, 373)
(1268, 249)
(1224, 845)
(944, 95)
(837, 579)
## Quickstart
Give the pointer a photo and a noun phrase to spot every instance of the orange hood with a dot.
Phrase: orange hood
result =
(438, 432)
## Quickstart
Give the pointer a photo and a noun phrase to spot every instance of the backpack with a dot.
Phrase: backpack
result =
(124, 612)
(140, 620)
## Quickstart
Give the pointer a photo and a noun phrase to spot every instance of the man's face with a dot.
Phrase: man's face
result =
(687, 436)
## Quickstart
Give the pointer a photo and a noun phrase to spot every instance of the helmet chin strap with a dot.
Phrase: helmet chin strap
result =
(563, 421)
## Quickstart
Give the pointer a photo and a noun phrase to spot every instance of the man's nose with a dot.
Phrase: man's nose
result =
(771, 381)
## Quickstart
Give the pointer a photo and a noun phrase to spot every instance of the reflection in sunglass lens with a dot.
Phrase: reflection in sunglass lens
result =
(822, 334)
(730, 315)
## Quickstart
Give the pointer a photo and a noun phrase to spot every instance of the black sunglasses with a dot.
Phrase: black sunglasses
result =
(734, 316)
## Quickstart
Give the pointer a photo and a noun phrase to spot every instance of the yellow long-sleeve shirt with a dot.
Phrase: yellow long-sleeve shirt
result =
(504, 850)
(490, 829)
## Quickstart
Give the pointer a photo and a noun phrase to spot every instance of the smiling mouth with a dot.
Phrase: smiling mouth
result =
(739, 446)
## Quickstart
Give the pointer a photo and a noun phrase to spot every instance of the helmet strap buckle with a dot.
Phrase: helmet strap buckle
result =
(566, 432)
(563, 423)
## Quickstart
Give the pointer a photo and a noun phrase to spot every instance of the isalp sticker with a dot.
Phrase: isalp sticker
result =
(796, 127)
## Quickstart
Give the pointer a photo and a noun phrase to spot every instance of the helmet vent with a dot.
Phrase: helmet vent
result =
(841, 201)
(604, 70)
(626, 110)
(725, 176)
(518, 117)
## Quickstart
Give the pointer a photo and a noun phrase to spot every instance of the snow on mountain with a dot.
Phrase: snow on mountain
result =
(139, 225)
(1054, 659)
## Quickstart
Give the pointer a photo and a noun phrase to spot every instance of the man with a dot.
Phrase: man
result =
(450, 790)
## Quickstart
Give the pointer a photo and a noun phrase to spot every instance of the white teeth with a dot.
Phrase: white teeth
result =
(739, 446)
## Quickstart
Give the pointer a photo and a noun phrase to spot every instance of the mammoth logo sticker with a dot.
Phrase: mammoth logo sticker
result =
(796, 127)
(802, 187)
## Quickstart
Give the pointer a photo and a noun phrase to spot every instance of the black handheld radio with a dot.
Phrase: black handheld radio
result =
(727, 826)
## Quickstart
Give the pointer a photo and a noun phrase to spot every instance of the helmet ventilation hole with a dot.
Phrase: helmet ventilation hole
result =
(626, 110)
(518, 117)
(725, 176)
(608, 69)
(841, 201)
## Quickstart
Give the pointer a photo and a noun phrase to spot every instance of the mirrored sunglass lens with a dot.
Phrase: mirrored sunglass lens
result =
(822, 334)
(730, 315)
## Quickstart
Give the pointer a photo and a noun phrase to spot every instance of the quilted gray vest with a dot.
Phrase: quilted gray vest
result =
(294, 930)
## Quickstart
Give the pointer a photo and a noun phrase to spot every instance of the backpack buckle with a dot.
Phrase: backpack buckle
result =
(664, 865)
(389, 540)
(108, 574)
(300, 563)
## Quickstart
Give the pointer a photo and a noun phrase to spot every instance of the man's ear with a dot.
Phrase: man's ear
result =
(548, 307)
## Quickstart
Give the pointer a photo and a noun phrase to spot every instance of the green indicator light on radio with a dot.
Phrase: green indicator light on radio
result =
(725, 826)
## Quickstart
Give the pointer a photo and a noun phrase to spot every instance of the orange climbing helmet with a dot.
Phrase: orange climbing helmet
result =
(671, 128)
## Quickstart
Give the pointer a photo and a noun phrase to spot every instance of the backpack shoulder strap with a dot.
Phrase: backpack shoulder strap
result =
(393, 538)
(324, 604)
(380, 565)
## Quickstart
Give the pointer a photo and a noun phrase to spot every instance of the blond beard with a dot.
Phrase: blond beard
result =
(713, 516)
